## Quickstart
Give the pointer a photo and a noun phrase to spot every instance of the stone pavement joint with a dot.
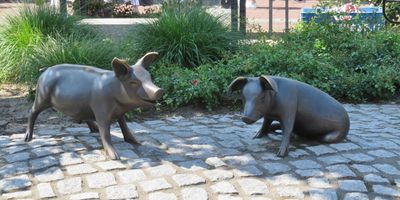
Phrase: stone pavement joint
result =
(209, 156)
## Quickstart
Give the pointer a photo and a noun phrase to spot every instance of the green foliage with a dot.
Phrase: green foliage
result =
(33, 29)
(186, 35)
(352, 66)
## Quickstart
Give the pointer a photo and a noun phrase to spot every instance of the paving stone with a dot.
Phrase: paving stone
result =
(271, 156)
(93, 156)
(110, 165)
(259, 198)
(253, 186)
(355, 196)
(276, 168)
(162, 195)
(188, 179)
(223, 187)
(14, 169)
(388, 169)
(193, 165)
(373, 178)
(44, 162)
(215, 161)
(40, 152)
(127, 154)
(218, 174)
(69, 186)
(80, 169)
(364, 168)
(382, 153)
(290, 191)
(358, 157)
(51, 174)
(352, 185)
(45, 190)
(246, 171)
(246, 159)
(194, 194)
(309, 172)
(319, 182)
(229, 197)
(16, 195)
(70, 158)
(321, 150)
(86, 195)
(73, 147)
(21, 156)
(141, 163)
(345, 146)
(297, 153)
(283, 180)
(323, 194)
(161, 170)
(335, 159)
(131, 176)
(305, 164)
(383, 190)
(15, 183)
(100, 180)
(15, 149)
(122, 192)
(154, 185)
(340, 171)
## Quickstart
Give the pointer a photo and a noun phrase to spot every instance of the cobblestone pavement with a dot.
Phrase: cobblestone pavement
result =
(205, 157)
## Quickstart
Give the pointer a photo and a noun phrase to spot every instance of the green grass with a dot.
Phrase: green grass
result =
(185, 35)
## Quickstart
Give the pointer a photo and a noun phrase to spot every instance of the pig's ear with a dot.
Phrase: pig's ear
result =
(121, 67)
(268, 83)
(237, 84)
(147, 59)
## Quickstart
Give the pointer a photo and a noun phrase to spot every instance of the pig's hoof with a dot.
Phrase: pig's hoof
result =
(132, 141)
(114, 156)
(281, 153)
(28, 137)
(260, 134)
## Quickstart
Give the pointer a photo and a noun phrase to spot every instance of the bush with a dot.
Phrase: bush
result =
(185, 35)
(32, 29)
(124, 10)
(351, 66)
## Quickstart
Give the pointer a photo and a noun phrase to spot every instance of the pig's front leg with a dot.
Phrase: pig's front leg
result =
(128, 137)
(287, 129)
(103, 122)
(264, 128)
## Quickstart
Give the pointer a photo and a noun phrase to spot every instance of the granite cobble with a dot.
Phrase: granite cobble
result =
(205, 157)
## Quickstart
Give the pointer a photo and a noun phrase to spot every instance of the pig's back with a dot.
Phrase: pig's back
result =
(70, 87)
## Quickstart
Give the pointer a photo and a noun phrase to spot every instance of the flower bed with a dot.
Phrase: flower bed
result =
(372, 17)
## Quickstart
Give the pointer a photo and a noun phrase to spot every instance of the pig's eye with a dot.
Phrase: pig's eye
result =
(133, 82)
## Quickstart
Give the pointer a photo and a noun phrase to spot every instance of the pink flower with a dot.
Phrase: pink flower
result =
(195, 82)
(347, 17)
(348, 8)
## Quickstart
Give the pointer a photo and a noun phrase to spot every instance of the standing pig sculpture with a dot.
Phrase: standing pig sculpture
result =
(92, 95)
(299, 108)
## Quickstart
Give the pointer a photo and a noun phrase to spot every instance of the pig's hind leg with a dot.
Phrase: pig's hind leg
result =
(39, 105)
(128, 137)
(92, 126)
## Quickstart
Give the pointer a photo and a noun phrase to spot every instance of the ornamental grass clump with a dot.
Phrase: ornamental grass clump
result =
(186, 35)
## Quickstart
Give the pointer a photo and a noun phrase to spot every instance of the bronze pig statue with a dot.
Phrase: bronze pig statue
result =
(299, 108)
(92, 95)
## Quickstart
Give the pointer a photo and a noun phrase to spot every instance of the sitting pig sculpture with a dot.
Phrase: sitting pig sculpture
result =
(299, 107)
(91, 95)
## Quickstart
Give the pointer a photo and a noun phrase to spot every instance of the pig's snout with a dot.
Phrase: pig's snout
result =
(150, 92)
(158, 94)
(248, 120)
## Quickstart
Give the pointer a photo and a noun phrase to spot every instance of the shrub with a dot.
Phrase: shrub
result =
(186, 35)
(30, 30)
(351, 66)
